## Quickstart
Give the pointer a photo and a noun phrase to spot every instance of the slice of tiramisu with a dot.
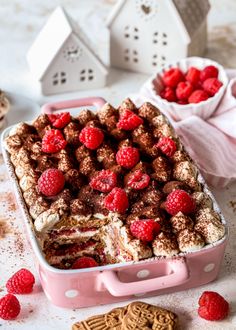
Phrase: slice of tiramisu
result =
(115, 186)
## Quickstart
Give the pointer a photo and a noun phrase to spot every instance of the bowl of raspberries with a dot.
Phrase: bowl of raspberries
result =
(191, 86)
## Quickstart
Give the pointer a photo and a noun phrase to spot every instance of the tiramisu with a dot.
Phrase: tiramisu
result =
(4, 107)
(111, 186)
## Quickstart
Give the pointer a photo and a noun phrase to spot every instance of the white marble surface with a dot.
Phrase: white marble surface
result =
(20, 23)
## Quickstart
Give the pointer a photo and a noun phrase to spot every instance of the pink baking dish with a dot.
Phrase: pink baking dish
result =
(123, 281)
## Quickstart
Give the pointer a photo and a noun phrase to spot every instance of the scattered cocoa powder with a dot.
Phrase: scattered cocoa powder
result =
(4, 230)
(8, 199)
(233, 205)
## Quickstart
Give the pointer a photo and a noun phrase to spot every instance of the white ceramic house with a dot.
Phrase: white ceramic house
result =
(146, 34)
(62, 59)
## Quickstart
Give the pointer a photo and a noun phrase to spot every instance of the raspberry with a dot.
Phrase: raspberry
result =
(9, 307)
(213, 307)
(84, 262)
(116, 200)
(60, 120)
(51, 182)
(127, 157)
(179, 201)
(172, 77)
(104, 181)
(138, 180)
(193, 75)
(168, 94)
(212, 85)
(209, 71)
(53, 141)
(167, 146)
(198, 96)
(184, 90)
(91, 137)
(21, 282)
(129, 120)
(145, 230)
(182, 102)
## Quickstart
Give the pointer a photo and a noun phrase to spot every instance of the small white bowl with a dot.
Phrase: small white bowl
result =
(202, 109)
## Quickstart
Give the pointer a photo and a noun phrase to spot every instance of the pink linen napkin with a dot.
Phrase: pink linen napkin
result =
(211, 142)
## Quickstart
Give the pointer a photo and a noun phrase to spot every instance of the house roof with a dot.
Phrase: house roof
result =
(189, 14)
(50, 40)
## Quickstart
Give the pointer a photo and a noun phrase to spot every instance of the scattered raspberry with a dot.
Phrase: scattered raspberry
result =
(53, 141)
(213, 307)
(184, 90)
(129, 120)
(104, 181)
(138, 180)
(179, 201)
(168, 94)
(51, 182)
(91, 137)
(59, 120)
(84, 262)
(116, 200)
(9, 307)
(193, 75)
(21, 282)
(198, 96)
(172, 77)
(127, 157)
(209, 71)
(167, 146)
(212, 85)
(145, 230)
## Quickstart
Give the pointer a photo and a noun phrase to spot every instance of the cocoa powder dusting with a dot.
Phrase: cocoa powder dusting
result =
(19, 245)
(4, 230)
(233, 205)
(8, 198)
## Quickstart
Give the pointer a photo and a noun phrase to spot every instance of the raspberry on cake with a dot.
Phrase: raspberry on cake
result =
(104, 181)
(59, 120)
(127, 157)
(53, 141)
(138, 180)
(167, 146)
(129, 120)
(51, 182)
(179, 201)
(111, 186)
(91, 137)
(145, 229)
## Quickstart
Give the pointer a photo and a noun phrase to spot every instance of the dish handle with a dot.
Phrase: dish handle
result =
(49, 108)
(178, 274)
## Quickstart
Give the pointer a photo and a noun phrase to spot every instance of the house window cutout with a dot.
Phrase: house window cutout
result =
(131, 32)
(86, 75)
(158, 60)
(72, 53)
(163, 60)
(131, 55)
(126, 57)
(154, 60)
(147, 9)
(127, 35)
(59, 78)
(155, 38)
(164, 39)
